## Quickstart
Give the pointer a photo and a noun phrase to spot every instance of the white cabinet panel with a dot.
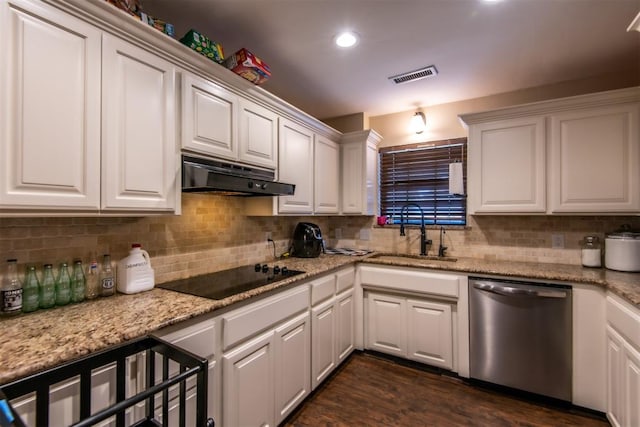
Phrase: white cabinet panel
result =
(208, 118)
(49, 109)
(507, 166)
(292, 365)
(258, 133)
(248, 384)
(429, 326)
(323, 357)
(359, 172)
(295, 166)
(594, 160)
(326, 176)
(345, 333)
(615, 383)
(139, 154)
(386, 324)
(631, 374)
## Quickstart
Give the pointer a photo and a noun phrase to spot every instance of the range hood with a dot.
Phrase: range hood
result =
(203, 175)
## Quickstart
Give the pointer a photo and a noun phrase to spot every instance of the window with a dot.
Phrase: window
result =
(419, 173)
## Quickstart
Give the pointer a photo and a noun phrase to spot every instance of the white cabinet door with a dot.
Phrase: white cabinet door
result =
(323, 353)
(209, 116)
(631, 374)
(292, 365)
(507, 166)
(248, 384)
(140, 165)
(615, 391)
(386, 324)
(594, 160)
(258, 133)
(430, 334)
(326, 176)
(359, 166)
(345, 325)
(295, 166)
(49, 109)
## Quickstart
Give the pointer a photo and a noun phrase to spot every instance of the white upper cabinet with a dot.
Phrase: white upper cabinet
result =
(326, 176)
(359, 167)
(295, 166)
(209, 116)
(49, 109)
(595, 160)
(507, 166)
(570, 155)
(139, 152)
(258, 134)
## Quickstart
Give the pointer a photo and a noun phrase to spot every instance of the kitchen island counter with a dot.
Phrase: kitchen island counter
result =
(37, 341)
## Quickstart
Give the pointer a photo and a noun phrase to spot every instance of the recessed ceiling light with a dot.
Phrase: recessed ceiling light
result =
(346, 39)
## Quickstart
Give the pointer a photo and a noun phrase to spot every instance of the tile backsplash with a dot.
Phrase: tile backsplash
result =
(213, 234)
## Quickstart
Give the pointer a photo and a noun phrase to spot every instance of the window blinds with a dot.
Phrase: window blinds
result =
(419, 173)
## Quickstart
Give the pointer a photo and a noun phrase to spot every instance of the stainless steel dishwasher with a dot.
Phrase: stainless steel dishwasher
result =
(520, 335)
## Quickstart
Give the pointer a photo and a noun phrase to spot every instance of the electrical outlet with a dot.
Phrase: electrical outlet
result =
(338, 233)
(557, 241)
(268, 238)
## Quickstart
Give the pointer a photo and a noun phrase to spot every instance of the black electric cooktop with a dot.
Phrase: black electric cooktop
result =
(225, 283)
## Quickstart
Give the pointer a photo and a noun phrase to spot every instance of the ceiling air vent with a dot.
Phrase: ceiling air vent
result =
(411, 76)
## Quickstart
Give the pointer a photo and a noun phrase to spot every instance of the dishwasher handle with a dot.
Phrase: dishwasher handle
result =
(515, 291)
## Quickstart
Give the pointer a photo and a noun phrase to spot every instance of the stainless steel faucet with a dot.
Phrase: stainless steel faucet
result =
(423, 233)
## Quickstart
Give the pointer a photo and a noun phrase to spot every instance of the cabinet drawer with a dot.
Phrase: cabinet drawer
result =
(247, 321)
(198, 338)
(410, 280)
(345, 279)
(625, 319)
(323, 288)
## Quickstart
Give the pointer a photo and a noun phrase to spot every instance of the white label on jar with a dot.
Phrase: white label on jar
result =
(591, 257)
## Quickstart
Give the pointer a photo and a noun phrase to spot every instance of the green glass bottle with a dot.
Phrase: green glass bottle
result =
(30, 291)
(63, 285)
(78, 282)
(47, 288)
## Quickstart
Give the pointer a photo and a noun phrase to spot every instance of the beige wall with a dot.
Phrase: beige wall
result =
(443, 123)
(349, 123)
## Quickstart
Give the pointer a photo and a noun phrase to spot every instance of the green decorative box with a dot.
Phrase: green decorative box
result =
(202, 44)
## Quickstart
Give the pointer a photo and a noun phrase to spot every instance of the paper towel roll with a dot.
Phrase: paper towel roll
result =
(456, 184)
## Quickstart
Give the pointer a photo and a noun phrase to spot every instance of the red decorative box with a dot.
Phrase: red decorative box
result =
(249, 66)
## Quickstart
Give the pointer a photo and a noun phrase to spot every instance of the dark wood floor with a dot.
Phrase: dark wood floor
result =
(371, 391)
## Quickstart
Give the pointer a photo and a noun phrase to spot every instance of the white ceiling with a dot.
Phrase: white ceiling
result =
(479, 48)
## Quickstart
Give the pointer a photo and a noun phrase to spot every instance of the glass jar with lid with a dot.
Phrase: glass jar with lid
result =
(591, 251)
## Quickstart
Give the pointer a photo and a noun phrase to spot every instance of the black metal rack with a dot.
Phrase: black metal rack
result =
(155, 348)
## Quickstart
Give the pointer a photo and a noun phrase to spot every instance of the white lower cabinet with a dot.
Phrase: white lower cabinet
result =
(323, 325)
(429, 332)
(292, 365)
(410, 328)
(623, 363)
(386, 324)
(266, 364)
(267, 377)
(332, 322)
(248, 383)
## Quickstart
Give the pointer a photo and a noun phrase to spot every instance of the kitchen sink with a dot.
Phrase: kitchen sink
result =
(416, 257)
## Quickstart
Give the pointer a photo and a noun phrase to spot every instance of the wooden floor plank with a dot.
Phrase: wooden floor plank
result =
(371, 391)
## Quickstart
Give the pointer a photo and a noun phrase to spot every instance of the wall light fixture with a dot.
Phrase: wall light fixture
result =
(418, 122)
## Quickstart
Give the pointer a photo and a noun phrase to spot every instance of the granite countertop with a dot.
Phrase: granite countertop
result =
(625, 285)
(37, 341)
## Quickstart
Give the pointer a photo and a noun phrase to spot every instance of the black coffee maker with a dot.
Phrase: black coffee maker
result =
(307, 241)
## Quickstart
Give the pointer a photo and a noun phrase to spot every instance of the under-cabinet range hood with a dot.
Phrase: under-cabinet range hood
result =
(203, 175)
